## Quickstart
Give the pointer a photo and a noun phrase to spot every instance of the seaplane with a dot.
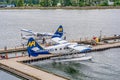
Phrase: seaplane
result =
(40, 35)
(62, 47)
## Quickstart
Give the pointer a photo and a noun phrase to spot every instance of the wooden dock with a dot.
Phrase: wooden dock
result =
(10, 50)
(90, 41)
(13, 65)
(111, 38)
(105, 46)
(24, 48)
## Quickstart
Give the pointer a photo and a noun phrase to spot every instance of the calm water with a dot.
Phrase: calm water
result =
(104, 66)
(6, 76)
(77, 24)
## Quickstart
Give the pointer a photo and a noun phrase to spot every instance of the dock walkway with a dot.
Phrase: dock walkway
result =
(105, 46)
(26, 71)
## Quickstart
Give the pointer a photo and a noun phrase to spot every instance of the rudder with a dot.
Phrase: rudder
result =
(59, 32)
(33, 47)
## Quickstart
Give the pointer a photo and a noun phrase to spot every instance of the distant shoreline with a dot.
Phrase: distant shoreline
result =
(69, 7)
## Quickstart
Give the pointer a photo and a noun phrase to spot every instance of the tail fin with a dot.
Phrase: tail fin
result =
(33, 47)
(59, 32)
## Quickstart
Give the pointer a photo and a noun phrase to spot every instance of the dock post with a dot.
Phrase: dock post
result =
(16, 55)
(100, 37)
(80, 39)
(23, 46)
(5, 48)
(23, 54)
(6, 55)
(0, 56)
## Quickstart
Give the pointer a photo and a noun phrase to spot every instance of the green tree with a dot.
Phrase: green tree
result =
(3, 2)
(67, 3)
(44, 3)
(13, 2)
(54, 2)
(104, 3)
(20, 3)
(73, 3)
(8, 1)
(35, 1)
(117, 3)
(30, 3)
(81, 3)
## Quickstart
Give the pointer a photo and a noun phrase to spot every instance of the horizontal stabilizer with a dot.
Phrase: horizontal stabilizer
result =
(25, 30)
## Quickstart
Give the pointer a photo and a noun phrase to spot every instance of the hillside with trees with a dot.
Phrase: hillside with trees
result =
(61, 3)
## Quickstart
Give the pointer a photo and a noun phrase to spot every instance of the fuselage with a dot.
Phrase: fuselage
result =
(58, 49)
(63, 49)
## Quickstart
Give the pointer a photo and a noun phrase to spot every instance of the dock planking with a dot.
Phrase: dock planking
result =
(10, 50)
(105, 46)
(28, 72)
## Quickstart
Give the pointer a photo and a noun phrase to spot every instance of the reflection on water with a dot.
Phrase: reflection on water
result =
(69, 70)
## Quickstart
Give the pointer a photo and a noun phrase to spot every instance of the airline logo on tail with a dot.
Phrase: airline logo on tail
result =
(34, 49)
(59, 32)
(30, 44)
(60, 29)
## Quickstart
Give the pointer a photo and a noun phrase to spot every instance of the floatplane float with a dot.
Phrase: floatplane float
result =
(74, 57)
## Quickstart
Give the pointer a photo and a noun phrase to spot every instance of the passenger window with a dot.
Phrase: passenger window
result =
(67, 48)
(55, 49)
(51, 49)
(60, 48)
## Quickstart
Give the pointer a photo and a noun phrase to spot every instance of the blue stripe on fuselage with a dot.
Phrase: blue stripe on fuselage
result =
(85, 50)
(41, 52)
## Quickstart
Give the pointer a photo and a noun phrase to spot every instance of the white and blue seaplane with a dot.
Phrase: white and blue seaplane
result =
(41, 35)
(62, 47)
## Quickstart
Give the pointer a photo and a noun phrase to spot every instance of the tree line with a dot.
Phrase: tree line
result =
(62, 3)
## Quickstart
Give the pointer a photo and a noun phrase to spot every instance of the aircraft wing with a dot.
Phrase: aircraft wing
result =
(59, 40)
(46, 34)
(80, 48)
(28, 31)
(75, 46)
(37, 33)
